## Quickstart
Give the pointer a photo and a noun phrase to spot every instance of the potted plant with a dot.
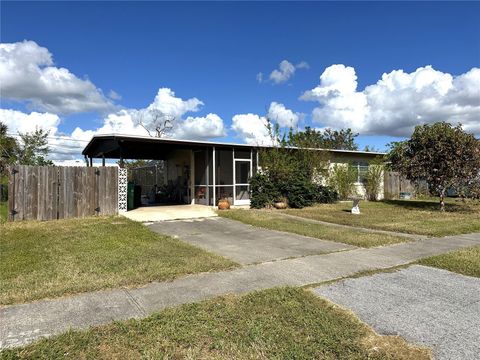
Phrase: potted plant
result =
(223, 204)
(280, 203)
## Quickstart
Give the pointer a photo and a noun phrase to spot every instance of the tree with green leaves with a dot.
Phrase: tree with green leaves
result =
(373, 179)
(8, 149)
(443, 155)
(343, 139)
(33, 148)
(342, 178)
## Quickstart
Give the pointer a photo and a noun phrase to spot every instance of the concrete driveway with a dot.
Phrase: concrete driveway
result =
(243, 243)
(424, 305)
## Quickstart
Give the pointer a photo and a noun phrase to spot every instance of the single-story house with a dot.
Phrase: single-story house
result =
(202, 172)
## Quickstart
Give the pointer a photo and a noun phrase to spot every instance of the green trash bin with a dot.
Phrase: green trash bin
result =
(130, 196)
(137, 196)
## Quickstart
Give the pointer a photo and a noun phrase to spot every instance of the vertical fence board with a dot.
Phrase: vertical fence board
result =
(41, 196)
(31, 192)
(20, 199)
(102, 190)
(11, 193)
(91, 188)
(78, 200)
(60, 192)
(110, 182)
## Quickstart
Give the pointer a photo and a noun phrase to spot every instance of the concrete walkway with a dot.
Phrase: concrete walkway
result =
(24, 323)
(443, 313)
(244, 243)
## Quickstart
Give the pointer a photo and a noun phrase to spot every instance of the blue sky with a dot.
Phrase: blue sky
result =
(214, 51)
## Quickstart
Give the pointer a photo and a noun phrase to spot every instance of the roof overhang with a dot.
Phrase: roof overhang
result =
(116, 146)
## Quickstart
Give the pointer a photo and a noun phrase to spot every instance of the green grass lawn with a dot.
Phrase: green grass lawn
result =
(3, 211)
(282, 323)
(271, 219)
(466, 261)
(54, 258)
(409, 216)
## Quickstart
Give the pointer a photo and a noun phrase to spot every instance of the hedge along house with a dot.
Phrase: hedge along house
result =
(202, 172)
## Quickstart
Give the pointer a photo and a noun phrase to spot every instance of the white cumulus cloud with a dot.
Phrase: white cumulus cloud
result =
(397, 102)
(206, 127)
(166, 102)
(18, 121)
(285, 71)
(27, 73)
(251, 128)
(283, 116)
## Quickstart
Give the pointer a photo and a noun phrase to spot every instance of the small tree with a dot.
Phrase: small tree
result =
(156, 123)
(443, 155)
(342, 178)
(373, 179)
(8, 149)
(33, 148)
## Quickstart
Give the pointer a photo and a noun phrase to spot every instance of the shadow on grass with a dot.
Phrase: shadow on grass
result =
(429, 205)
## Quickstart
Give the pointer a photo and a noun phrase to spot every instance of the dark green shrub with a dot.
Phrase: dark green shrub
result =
(263, 191)
(299, 190)
(326, 195)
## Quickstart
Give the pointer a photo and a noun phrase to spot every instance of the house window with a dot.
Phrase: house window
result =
(361, 168)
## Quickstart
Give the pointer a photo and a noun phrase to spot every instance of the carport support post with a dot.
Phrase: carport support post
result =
(192, 177)
(213, 180)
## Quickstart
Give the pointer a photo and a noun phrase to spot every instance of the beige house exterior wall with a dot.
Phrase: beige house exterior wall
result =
(348, 158)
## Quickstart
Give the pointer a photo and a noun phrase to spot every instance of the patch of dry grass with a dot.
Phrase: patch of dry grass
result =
(465, 261)
(55, 258)
(409, 216)
(271, 219)
(3, 211)
(282, 323)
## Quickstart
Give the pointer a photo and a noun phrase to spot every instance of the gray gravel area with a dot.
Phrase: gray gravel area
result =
(424, 305)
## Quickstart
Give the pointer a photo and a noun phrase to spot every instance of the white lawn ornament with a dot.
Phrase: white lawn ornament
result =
(356, 207)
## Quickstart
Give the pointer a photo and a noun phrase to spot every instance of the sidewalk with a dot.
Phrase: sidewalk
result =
(21, 324)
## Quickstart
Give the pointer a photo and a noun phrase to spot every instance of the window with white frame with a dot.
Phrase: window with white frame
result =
(361, 168)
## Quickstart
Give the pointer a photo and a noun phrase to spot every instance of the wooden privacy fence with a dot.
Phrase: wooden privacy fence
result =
(394, 184)
(51, 192)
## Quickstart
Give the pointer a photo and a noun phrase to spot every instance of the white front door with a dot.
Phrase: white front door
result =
(242, 172)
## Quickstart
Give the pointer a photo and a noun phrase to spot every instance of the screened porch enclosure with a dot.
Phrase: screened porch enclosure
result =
(186, 172)
(223, 173)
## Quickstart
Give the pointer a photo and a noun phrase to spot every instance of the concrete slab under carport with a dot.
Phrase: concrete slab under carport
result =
(244, 243)
(169, 212)
(424, 305)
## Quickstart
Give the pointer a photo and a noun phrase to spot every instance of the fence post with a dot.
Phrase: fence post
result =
(122, 190)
